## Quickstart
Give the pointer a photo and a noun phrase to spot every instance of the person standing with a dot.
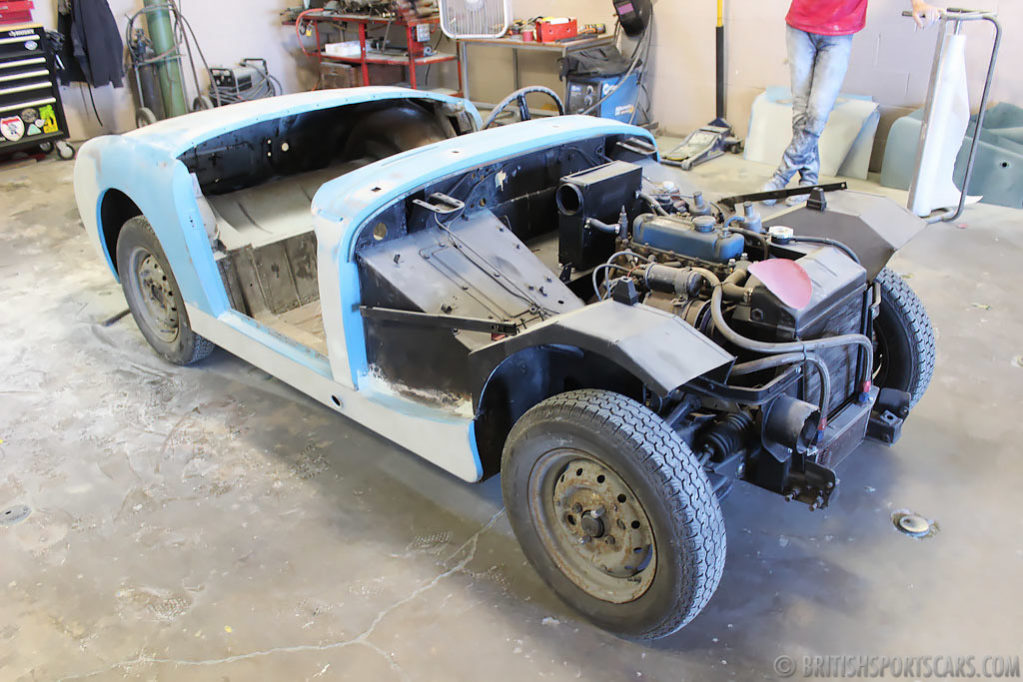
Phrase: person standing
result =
(819, 37)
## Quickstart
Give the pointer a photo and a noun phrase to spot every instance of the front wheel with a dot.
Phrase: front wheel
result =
(904, 354)
(614, 512)
(153, 295)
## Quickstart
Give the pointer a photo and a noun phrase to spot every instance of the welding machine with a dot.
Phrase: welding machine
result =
(600, 81)
(585, 90)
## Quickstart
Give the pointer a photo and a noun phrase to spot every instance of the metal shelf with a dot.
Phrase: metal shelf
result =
(380, 58)
(367, 57)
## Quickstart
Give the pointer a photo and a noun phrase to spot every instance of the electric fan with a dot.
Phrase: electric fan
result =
(474, 18)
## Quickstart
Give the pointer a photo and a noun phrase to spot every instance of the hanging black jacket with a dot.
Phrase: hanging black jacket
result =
(93, 50)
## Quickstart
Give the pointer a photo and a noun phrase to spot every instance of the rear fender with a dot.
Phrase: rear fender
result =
(162, 190)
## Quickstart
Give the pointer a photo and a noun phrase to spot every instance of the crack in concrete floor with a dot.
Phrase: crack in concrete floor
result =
(472, 544)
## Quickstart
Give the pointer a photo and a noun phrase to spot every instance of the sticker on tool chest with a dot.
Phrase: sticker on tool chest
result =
(12, 128)
(48, 118)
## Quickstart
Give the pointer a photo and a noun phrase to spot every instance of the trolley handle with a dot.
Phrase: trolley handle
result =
(958, 14)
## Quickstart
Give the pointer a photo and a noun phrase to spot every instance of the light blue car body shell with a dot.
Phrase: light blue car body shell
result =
(144, 165)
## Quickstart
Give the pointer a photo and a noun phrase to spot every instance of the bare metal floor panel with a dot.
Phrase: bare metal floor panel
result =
(272, 211)
(303, 324)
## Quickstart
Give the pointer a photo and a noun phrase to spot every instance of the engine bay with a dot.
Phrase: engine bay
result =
(471, 262)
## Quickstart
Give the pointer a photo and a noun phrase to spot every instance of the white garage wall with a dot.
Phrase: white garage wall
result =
(227, 30)
(891, 60)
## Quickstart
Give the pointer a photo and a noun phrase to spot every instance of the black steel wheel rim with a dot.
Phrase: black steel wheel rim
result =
(592, 525)
(152, 288)
(881, 359)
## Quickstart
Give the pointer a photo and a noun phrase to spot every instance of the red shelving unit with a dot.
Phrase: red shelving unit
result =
(366, 56)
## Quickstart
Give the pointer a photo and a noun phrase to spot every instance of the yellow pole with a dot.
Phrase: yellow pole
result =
(719, 40)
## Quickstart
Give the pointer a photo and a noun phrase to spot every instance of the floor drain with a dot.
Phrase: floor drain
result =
(913, 524)
(15, 514)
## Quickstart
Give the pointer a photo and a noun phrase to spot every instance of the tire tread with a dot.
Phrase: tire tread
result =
(911, 312)
(201, 347)
(667, 457)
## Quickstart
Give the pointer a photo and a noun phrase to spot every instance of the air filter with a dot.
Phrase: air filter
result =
(474, 18)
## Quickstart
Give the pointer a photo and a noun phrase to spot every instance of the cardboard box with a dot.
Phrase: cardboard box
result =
(337, 75)
(334, 75)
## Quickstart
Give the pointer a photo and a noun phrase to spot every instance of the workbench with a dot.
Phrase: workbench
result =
(366, 56)
(515, 44)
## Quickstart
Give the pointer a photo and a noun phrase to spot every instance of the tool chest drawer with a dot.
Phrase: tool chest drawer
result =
(30, 106)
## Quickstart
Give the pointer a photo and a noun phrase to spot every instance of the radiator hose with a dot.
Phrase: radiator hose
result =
(770, 361)
(774, 348)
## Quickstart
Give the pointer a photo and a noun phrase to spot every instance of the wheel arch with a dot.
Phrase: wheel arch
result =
(530, 376)
(115, 209)
(628, 349)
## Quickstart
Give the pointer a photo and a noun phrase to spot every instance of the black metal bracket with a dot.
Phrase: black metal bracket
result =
(637, 146)
(743, 395)
(471, 324)
(776, 194)
(441, 204)
(815, 485)
(884, 426)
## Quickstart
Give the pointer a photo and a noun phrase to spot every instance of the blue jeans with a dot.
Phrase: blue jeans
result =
(817, 64)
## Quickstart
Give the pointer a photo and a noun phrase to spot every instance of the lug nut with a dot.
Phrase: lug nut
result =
(577, 508)
(609, 540)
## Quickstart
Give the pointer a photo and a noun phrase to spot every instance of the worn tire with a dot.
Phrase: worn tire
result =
(137, 240)
(905, 356)
(687, 527)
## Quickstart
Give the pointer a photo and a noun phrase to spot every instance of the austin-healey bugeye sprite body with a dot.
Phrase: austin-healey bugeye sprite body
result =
(532, 300)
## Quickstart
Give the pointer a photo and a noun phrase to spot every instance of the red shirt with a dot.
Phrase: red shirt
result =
(828, 17)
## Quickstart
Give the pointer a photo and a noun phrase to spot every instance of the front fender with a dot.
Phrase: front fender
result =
(874, 227)
(656, 347)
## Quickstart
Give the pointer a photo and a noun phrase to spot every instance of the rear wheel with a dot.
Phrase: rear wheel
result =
(904, 355)
(614, 512)
(153, 295)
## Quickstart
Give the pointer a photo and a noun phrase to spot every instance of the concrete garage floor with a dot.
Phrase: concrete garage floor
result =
(210, 523)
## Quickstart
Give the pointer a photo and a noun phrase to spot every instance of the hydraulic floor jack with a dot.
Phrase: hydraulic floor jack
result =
(717, 137)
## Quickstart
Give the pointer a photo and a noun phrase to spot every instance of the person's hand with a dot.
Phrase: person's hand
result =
(924, 15)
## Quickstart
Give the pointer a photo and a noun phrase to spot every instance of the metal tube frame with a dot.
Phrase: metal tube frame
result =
(957, 16)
